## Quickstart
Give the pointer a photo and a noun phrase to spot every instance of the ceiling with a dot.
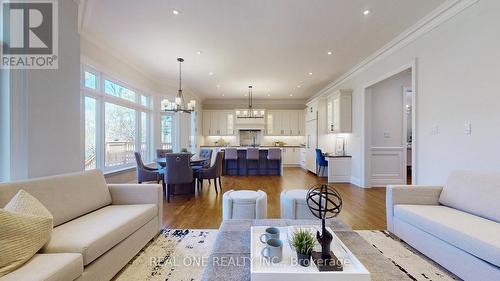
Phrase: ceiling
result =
(271, 44)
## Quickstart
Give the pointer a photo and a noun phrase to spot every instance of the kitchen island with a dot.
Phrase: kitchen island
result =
(242, 167)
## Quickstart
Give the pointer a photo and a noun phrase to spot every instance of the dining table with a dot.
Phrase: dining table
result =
(195, 160)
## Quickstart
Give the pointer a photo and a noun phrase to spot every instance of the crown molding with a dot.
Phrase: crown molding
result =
(434, 19)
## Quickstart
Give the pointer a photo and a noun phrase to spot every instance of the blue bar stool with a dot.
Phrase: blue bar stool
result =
(274, 154)
(231, 154)
(252, 156)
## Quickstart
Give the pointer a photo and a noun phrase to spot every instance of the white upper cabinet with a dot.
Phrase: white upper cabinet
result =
(218, 123)
(339, 112)
(285, 123)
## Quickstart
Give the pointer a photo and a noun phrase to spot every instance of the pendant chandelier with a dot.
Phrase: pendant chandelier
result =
(179, 105)
(250, 112)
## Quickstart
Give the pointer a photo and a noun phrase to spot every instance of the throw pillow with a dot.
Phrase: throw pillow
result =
(26, 226)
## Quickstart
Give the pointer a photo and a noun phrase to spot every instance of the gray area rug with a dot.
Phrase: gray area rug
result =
(183, 255)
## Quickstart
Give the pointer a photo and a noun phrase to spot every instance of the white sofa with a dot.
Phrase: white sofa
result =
(456, 225)
(98, 227)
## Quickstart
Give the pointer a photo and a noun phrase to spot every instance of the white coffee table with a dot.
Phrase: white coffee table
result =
(262, 270)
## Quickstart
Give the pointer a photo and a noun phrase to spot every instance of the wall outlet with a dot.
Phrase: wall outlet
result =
(467, 129)
(435, 130)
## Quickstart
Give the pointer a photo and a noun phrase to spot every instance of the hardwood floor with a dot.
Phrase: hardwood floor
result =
(362, 208)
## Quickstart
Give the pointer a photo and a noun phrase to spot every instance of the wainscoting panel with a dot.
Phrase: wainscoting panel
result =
(387, 166)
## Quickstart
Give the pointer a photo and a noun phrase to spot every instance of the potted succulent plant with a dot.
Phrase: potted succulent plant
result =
(303, 242)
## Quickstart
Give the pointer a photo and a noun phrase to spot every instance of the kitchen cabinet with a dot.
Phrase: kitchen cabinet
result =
(311, 111)
(302, 158)
(218, 123)
(285, 123)
(291, 156)
(339, 112)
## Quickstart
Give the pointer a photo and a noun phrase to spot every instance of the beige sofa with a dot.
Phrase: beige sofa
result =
(456, 225)
(98, 227)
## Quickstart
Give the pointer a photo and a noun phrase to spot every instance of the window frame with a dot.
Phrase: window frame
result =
(101, 99)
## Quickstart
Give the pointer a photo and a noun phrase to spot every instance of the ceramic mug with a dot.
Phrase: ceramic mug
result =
(273, 250)
(271, 233)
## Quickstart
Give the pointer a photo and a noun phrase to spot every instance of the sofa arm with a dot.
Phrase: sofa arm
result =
(409, 195)
(130, 194)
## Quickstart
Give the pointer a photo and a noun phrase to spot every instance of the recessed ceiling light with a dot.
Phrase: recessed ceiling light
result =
(218, 86)
(222, 94)
(298, 86)
(329, 53)
(366, 12)
(210, 73)
(291, 95)
(175, 12)
(268, 95)
(310, 73)
(245, 95)
(198, 52)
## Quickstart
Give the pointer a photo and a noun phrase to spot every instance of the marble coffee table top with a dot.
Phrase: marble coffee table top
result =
(230, 256)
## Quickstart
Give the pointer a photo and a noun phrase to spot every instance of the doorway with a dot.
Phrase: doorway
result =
(389, 130)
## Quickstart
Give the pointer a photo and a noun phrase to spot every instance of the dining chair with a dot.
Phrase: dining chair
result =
(162, 153)
(178, 172)
(205, 153)
(145, 173)
(213, 172)
(321, 163)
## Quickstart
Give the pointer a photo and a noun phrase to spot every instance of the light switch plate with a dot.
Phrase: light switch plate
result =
(467, 128)
(434, 130)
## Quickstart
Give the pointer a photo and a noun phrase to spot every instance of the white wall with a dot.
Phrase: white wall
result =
(387, 111)
(4, 125)
(45, 109)
(457, 82)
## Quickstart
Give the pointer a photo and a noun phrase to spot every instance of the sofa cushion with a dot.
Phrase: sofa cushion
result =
(95, 233)
(477, 193)
(473, 234)
(65, 196)
(48, 267)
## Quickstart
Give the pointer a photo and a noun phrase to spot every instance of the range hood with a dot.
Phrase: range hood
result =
(250, 123)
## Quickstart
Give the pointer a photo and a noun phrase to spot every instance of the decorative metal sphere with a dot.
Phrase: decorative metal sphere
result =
(324, 201)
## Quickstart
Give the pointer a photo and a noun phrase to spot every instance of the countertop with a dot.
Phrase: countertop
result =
(262, 146)
(337, 156)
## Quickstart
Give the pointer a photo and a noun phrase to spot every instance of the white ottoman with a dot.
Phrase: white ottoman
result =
(294, 206)
(244, 204)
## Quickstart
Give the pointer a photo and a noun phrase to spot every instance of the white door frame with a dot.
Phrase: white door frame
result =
(366, 126)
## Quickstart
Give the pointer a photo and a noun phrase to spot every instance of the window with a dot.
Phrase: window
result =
(144, 100)
(90, 133)
(166, 131)
(90, 80)
(116, 90)
(120, 128)
(116, 122)
(144, 136)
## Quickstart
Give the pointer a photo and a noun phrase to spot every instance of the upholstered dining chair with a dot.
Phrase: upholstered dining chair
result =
(162, 153)
(213, 172)
(274, 155)
(145, 173)
(321, 162)
(178, 172)
(205, 153)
